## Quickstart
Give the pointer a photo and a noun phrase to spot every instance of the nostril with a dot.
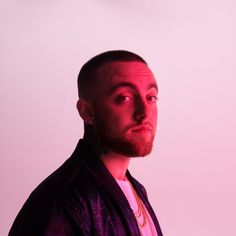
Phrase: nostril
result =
(140, 114)
(140, 117)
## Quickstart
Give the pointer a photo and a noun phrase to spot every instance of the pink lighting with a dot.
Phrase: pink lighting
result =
(190, 47)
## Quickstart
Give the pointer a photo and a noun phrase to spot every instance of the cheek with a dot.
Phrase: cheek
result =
(113, 117)
(108, 116)
(154, 116)
(117, 119)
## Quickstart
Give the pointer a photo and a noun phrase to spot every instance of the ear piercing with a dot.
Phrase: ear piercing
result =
(90, 121)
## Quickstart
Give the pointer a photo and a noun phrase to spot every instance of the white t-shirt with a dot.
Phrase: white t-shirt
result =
(148, 229)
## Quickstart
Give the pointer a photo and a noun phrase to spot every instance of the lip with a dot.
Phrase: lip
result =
(142, 129)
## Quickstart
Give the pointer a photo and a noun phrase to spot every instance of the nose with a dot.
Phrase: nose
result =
(140, 109)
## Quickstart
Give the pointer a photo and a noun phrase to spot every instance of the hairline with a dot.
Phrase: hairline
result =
(106, 67)
(88, 75)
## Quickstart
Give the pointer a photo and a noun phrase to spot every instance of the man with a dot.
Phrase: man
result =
(93, 193)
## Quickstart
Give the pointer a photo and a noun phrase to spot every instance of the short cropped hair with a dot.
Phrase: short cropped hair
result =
(87, 77)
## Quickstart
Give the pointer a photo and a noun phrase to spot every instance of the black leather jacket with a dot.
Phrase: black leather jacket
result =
(80, 198)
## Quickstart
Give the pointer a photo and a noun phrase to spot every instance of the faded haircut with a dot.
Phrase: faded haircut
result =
(88, 77)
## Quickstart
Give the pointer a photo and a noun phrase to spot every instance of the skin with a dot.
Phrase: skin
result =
(122, 112)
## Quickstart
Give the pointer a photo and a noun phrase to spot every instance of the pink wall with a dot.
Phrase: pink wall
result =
(190, 45)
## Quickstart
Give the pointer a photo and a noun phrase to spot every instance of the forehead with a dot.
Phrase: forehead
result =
(136, 73)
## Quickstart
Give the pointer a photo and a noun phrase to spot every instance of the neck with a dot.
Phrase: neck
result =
(116, 164)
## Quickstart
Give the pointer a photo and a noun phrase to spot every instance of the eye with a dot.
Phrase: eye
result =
(122, 99)
(152, 99)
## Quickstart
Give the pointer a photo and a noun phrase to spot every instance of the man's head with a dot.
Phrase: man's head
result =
(118, 94)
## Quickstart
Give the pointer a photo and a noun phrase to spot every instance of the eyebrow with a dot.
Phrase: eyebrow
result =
(130, 85)
(153, 85)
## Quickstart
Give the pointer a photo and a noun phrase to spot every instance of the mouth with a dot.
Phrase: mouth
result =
(142, 129)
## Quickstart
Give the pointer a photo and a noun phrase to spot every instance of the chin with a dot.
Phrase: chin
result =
(141, 152)
(131, 149)
(130, 146)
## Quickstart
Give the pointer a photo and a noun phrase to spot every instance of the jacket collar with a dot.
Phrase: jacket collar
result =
(90, 158)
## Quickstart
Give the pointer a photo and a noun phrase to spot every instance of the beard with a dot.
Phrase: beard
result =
(124, 142)
(127, 147)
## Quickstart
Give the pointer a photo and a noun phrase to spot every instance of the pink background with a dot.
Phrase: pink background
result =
(190, 46)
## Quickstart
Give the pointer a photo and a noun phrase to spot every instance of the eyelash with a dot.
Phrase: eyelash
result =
(123, 99)
(155, 98)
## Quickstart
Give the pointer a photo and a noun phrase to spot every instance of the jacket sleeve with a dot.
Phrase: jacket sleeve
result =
(68, 221)
(52, 220)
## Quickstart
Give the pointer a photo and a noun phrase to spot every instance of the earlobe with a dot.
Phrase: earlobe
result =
(85, 110)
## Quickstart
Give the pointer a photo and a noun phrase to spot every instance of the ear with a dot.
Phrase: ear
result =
(85, 110)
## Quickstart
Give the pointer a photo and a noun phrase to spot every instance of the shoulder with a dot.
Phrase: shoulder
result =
(54, 204)
(70, 182)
